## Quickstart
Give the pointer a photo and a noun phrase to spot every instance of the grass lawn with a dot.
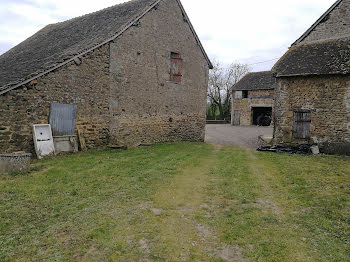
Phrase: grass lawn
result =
(178, 202)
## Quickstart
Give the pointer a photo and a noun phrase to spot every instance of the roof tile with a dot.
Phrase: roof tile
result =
(317, 58)
(256, 81)
(58, 42)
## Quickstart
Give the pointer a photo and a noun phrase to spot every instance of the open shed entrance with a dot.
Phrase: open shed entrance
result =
(262, 116)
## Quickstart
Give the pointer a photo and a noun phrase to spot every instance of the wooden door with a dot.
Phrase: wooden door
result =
(301, 124)
(236, 117)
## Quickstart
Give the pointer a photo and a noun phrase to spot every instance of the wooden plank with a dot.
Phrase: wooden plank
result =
(82, 141)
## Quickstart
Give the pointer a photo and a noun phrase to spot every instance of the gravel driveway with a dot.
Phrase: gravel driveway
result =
(242, 136)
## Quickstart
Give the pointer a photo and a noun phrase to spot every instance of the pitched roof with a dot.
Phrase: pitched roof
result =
(57, 44)
(256, 81)
(319, 21)
(318, 58)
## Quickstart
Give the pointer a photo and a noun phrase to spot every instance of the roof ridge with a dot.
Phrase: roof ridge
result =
(318, 42)
(71, 54)
(78, 17)
(318, 21)
(267, 71)
(94, 12)
(327, 57)
(57, 64)
(321, 41)
(262, 80)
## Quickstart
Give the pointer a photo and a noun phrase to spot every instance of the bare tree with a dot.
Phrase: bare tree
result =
(221, 80)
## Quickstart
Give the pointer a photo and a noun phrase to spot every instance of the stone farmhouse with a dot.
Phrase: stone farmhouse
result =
(312, 102)
(136, 72)
(253, 99)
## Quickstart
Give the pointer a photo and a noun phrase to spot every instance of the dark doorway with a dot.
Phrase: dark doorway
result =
(262, 116)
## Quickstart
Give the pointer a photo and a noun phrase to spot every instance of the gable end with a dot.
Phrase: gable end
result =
(318, 22)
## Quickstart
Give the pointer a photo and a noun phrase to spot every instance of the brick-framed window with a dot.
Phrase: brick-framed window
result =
(175, 67)
(301, 124)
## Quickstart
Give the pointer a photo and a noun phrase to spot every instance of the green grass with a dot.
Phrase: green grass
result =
(177, 202)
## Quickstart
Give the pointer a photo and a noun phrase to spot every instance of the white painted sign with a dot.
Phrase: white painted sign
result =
(43, 140)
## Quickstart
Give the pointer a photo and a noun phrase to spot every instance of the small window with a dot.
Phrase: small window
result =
(301, 124)
(238, 95)
(245, 93)
(175, 68)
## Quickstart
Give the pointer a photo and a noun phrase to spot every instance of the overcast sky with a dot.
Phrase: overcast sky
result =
(246, 31)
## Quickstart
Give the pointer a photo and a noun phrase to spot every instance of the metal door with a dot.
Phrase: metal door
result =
(62, 119)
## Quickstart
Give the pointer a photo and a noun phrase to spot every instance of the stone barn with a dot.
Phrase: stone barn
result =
(135, 72)
(253, 99)
(312, 99)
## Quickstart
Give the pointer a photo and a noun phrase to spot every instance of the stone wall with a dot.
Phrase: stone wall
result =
(328, 99)
(146, 106)
(122, 90)
(19, 162)
(256, 98)
(336, 25)
(86, 85)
